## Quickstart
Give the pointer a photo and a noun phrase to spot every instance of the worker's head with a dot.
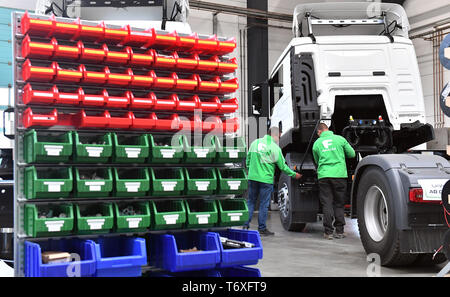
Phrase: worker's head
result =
(321, 128)
(275, 133)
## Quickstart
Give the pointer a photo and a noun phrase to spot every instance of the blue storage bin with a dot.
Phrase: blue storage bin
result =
(120, 256)
(35, 268)
(244, 256)
(239, 271)
(197, 273)
(164, 251)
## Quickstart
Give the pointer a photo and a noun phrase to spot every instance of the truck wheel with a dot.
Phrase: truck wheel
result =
(376, 219)
(285, 194)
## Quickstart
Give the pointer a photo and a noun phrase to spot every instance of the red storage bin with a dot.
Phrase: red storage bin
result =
(230, 125)
(146, 122)
(188, 104)
(226, 47)
(35, 96)
(138, 38)
(208, 86)
(167, 123)
(67, 75)
(67, 51)
(229, 106)
(207, 65)
(121, 121)
(187, 43)
(37, 73)
(165, 83)
(114, 35)
(212, 123)
(31, 49)
(92, 77)
(92, 33)
(37, 27)
(66, 30)
(206, 46)
(70, 98)
(163, 61)
(30, 119)
(227, 67)
(140, 81)
(229, 86)
(170, 103)
(142, 102)
(113, 57)
(94, 55)
(185, 63)
(186, 84)
(117, 79)
(193, 123)
(210, 105)
(85, 119)
(163, 41)
(118, 101)
(94, 99)
(137, 59)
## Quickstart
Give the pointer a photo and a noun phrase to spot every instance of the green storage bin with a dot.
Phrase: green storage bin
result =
(231, 181)
(232, 212)
(47, 147)
(129, 222)
(60, 220)
(199, 150)
(92, 148)
(94, 218)
(165, 149)
(230, 150)
(48, 182)
(201, 213)
(167, 214)
(131, 182)
(130, 148)
(167, 182)
(93, 182)
(200, 181)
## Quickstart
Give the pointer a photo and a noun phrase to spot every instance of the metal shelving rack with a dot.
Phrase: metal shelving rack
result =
(19, 164)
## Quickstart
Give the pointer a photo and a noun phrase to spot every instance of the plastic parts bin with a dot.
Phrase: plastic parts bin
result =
(229, 66)
(141, 59)
(164, 61)
(91, 55)
(120, 256)
(163, 40)
(93, 182)
(30, 119)
(163, 82)
(168, 123)
(60, 220)
(228, 86)
(48, 182)
(183, 63)
(131, 182)
(67, 52)
(188, 103)
(232, 212)
(229, 105)
(239, 272)
(69, 98)
(201, 213)
(139, 102)
(31, 49)
(169, 103)
(92, 148)
(85, 266)
(130, 148)
(137, 37)
(99, 99)
(37, 73)
(94, 218)
(200, 181)
(39, 96)
(51, 147)
(66, 29)
(144, 121)
(165, 251)
(199, 153)
(93, 76)
(167, 181)
(117, 101)
(210, 65)
(230, 150)
(117, 79)
(206, 46)
(165, 149)
(225, 46)
(92, 119)
(67, 75)
(186, 43)
(92, 33)
(240, 256)
(185, 82)
(114, 57)
(207, 86)
(37, 27)
(138, 221)
(167, 214)
(120, 120)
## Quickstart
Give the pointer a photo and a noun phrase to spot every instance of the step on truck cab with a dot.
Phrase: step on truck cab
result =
(352, 66)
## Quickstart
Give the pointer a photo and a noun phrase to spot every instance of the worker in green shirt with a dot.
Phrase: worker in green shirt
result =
(329, 153)
(263, 155)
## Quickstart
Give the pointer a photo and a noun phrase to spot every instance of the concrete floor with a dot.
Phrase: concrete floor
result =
(308, 254)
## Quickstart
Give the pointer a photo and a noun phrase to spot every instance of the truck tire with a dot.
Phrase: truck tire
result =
(285, 192)
(376, 219)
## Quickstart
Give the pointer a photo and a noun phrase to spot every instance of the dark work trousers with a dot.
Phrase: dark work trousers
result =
(332, 193)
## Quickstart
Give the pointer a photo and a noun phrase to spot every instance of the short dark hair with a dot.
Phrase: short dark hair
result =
(322, 127)
(274, 130)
